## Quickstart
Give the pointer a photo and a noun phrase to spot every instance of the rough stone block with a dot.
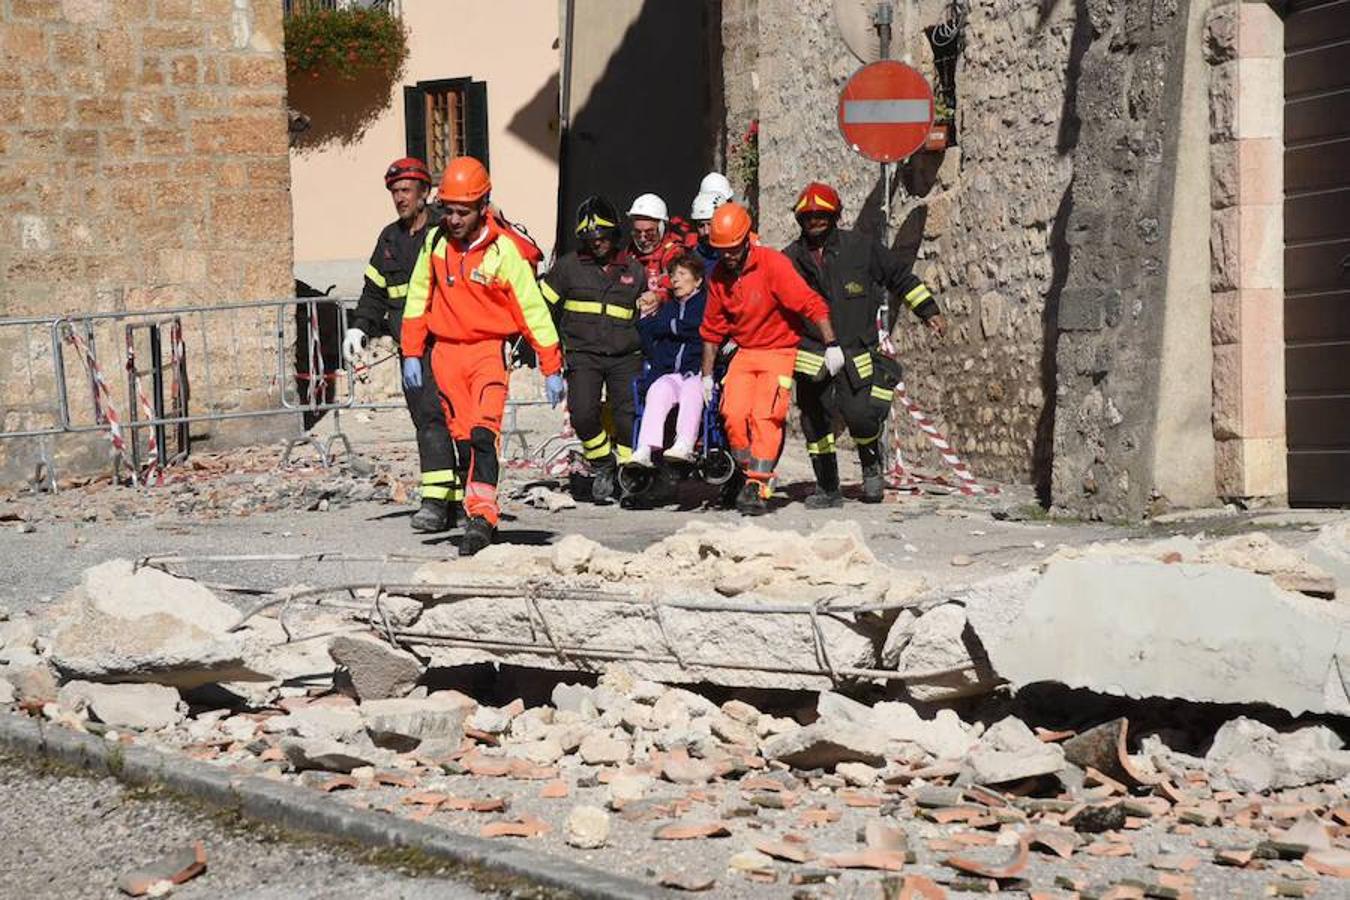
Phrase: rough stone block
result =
(1225, 249)
(1227, 391)
(1223, 102)
(1225, 326)
(1221, 34)
(255, 134)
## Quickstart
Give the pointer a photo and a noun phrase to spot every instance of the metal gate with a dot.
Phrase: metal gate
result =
(1317, 250)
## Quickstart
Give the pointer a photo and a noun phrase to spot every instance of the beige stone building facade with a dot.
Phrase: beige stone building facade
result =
(143, 164)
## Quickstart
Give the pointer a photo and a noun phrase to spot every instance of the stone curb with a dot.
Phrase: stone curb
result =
(296, 808)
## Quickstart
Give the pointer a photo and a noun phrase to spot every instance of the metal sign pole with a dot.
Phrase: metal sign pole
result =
(881, 18)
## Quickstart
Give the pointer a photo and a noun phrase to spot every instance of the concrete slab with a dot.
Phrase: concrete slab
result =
(1138, 628)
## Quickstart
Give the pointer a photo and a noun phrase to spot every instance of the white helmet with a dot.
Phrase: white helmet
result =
(650, 206)
(702, 208)
(716, 183)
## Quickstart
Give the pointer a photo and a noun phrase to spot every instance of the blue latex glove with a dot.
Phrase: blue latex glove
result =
(554, 389)
(412, 373)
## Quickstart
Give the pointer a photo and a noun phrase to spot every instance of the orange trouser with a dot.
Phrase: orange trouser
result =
(756, 393)
(472, 380)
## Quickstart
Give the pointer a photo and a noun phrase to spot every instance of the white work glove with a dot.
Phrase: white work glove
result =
(708, 385)
(353, 343)
(834, 359)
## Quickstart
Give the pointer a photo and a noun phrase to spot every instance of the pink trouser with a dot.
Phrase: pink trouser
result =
(665, 392)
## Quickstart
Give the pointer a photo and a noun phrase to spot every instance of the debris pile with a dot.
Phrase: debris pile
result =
(782, 787)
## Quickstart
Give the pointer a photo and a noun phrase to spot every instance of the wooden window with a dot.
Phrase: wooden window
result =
(444, 119)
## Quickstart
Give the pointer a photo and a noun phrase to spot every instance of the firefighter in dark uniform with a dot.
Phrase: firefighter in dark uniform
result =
(852, 271)
(594, 294)
(380, 312)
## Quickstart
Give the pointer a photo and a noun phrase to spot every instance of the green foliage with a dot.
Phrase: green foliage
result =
(745, 159)
(345, 42)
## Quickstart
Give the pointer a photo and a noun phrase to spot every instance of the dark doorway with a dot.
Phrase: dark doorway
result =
(1317, 251)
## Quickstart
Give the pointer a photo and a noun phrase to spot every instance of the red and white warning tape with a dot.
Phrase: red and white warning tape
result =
(152, 473)
(104, 407)
(968, 484)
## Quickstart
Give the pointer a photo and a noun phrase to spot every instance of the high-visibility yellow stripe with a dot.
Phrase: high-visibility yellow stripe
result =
(822, 447)
(596, 441)
(419, 287)
(863, 442)
(600, 451)
(440, 476)
(625, 454)
(593, 307)
(883, 394)
(549, 293)
(505, 261)
(808, 363)
(785, 382)
(397, 291)
(917, 295)
(375, 277)
(435, 492)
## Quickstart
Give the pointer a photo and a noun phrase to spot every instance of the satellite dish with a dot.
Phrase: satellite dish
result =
(858, 29)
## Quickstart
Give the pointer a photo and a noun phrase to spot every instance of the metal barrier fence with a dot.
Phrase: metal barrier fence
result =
(190, 365)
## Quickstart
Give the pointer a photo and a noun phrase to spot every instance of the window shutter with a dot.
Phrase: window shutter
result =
(415, 122)
(476, 120)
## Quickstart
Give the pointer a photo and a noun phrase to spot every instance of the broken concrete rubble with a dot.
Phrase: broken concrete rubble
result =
(377, 670)
(402, 724)
(1009, 751)
(1142, 628)
(674, 629)
(148, 707)
(126, 624)
(1247, 755)
(825, 744)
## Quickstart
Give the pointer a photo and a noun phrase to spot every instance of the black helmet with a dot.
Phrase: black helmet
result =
(597, 217)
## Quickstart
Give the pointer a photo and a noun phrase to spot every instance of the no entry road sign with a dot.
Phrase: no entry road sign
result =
(886, 111)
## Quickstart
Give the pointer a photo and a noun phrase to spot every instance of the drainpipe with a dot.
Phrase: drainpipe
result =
(564, 122)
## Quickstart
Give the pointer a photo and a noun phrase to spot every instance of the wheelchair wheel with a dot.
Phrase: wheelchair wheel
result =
(635, 481)
(718, 467)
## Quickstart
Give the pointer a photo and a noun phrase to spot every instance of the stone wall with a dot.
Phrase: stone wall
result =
(1047, 233)
(143, 164)
(979, 217)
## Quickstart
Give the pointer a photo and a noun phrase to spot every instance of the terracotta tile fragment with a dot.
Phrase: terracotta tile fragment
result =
(1059, 842)
(684, 831)
(176, 867)
(1332, 862)
(486, 766)
(1233, 857)
(1110, 849)
(916, 887)
(1009, 868)
(337, 783)
(884, 860)
(1174, 862)
(790, 851)
(522, 827)
(272, 754)
(877, 835)
(425, 798)
(815, 818)
(395, 779)
(1054, 737)
(554, 790)
(859, 800)
(685, 881)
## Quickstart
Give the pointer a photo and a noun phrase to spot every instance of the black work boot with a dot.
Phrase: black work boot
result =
(433, 515)
(605, 485)
(873, 483)
(827, 494)
(730, 491)
(750, 501)
(477, 535)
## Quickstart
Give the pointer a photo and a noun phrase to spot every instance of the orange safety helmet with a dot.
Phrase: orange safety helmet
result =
(410, 168)
(817, 197)
(465, 181)
(730, 226)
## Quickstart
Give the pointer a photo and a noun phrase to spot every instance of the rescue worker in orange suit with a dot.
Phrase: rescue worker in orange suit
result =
(594, 292)
(757, 299)
(471, 290)
(852, 271)
(655, 246)
(380, 312)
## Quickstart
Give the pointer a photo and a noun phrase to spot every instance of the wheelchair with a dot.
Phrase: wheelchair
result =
(712, 462)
